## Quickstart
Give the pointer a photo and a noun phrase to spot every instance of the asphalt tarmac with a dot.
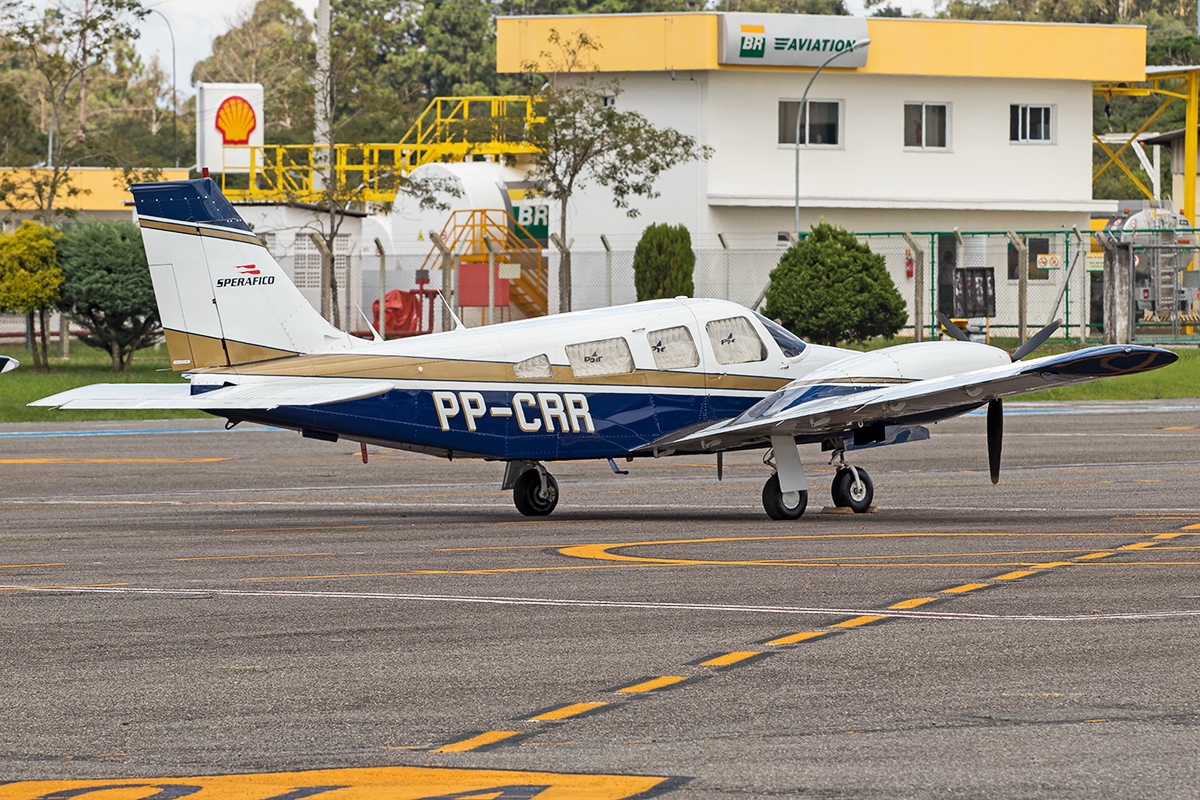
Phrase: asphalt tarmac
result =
(193, 612)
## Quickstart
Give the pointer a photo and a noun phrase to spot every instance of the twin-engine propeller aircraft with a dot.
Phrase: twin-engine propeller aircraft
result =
(649, 379)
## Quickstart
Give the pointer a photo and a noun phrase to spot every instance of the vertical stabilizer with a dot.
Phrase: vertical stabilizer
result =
(222, 297)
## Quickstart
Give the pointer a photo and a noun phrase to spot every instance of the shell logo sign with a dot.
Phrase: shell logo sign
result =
(235, 120)
(229, 121)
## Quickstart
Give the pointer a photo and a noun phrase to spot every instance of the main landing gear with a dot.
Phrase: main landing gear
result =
(785, 495)
(535, 492)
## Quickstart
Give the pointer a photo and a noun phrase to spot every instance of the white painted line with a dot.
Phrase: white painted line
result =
(543, 601)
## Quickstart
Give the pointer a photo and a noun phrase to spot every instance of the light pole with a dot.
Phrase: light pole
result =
(800, 114)
(174, 92)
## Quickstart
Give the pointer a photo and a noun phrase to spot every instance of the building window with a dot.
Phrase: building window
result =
(820, 126)
(925, 125)
(1035, 246)
(1029, 124)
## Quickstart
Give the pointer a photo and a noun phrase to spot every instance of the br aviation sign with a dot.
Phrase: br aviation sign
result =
(790, 40)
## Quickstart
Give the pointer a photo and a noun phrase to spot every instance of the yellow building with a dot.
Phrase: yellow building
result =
(100, 192)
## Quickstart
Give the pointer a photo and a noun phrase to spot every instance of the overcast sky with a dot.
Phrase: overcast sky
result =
(197, 22)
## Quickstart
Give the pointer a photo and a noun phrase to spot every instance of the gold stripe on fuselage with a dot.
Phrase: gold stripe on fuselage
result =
(385, 367)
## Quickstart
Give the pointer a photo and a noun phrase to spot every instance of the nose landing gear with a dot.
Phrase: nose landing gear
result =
(852, 487)
(785, 495)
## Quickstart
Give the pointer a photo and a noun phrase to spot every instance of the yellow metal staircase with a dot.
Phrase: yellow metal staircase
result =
(450, 129)
(466, 233)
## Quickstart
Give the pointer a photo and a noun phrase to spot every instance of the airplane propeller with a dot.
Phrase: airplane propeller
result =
(995, 412)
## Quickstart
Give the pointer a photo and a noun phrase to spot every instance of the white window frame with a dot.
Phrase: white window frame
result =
(1023, 134)
(923, 148)
(841, 123)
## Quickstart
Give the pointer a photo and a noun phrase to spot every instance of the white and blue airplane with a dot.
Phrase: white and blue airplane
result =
(8, 364)
(645, 380)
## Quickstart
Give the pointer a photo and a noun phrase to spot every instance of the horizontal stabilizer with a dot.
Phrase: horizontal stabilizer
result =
(258, 395)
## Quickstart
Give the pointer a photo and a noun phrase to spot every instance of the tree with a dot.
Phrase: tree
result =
(30, 279)
(108, 289)
(830, 288)
(585, 138)
(57, 47)
(663, 263)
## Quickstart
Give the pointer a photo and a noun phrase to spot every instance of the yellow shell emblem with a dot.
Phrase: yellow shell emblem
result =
(236, 120)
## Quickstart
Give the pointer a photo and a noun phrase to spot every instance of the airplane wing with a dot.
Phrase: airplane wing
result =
(8, 363)
(257, 395)
(787, 412)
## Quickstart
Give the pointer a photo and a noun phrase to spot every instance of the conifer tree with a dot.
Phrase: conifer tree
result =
(663, 263)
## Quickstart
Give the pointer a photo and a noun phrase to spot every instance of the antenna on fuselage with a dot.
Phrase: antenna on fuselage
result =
(458, 323)
(374, 333)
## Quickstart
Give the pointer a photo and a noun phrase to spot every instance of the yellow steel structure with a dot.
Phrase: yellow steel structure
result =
(1170, 83)
(450, 129)
(467, 233)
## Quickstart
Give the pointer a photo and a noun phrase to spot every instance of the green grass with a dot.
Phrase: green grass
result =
(86, 365)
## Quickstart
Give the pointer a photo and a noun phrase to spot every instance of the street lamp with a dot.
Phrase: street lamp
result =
(174, 93)
(800, 113)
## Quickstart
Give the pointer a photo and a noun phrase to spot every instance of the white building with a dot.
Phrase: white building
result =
(943, 125)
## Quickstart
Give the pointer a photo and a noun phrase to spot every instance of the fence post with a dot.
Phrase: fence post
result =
(491, 306)
(1118, 291)
(918, 288)
(382, 288)
(447, 264)
(725, 254)
(564, 274)
(607, 271)
(64, 336)
(1022, 283)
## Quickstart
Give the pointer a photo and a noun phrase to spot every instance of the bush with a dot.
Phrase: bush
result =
(663, 263)
(829, 288)
(108, 288)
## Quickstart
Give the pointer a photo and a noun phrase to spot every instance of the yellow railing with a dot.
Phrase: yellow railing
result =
(450, 129)
(465, 234)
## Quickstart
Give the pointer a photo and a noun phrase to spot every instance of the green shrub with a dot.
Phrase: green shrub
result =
(663, 263)
(108, 288)
(829, 288)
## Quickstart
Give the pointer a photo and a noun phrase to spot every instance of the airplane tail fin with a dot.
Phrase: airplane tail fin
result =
(222, 297)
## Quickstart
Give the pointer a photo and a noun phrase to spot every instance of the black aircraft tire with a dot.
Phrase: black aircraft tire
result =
(773, 504)
(845, 494)
(527, 494)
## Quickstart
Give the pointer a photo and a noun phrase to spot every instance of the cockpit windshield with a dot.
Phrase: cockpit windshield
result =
(791, 344)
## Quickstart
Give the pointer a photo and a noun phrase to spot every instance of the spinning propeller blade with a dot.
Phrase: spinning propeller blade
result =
(1035, 341)
(995, 436)
(952, 329)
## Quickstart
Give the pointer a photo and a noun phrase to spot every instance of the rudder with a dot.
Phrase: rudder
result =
(222, 297)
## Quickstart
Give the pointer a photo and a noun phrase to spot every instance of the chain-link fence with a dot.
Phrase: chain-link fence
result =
(977, 276)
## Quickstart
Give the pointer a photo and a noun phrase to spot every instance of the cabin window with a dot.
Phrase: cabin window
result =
(791, 344)
(603, 357)
(734, 341)
(673, 348)
(533, 368)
